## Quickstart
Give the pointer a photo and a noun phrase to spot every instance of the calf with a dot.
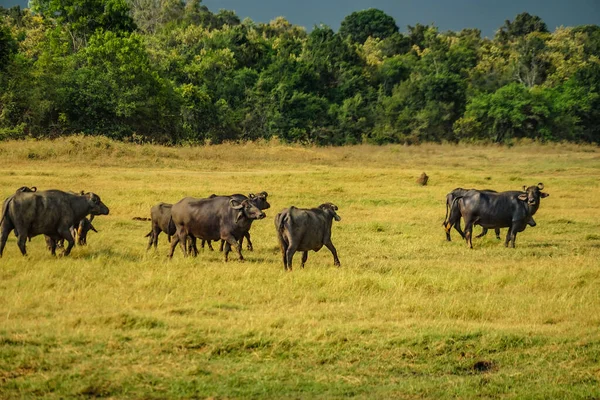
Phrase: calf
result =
(300, 229)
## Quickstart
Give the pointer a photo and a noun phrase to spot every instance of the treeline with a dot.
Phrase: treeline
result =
(169, 71)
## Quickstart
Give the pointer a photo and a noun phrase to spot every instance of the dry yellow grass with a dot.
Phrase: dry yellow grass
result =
(407, 315)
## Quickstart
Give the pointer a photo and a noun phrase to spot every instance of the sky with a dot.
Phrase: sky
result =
(486, 15)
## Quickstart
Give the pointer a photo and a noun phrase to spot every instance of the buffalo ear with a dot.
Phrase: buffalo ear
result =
(236, 205)
(82, 192)
(263, 194)
(239, 215)
(524, 188)
(522, 197)
(251, 195)
(540, 186)
(542, 195)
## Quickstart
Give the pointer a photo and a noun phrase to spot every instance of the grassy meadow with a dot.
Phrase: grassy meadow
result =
(407, 315)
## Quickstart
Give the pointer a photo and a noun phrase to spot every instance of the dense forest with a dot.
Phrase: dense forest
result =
(171, 71)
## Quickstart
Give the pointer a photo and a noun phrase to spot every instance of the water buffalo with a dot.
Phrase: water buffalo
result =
(161, 222)
(511, 210)
(85, 225)
(300, 229)
(160, 215)
(50, 212)
(217, 218)
(453, 214)
(259, 200)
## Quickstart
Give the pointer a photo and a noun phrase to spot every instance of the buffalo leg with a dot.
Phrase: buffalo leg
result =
(497, 230)
(331, 247)
(457, 228)
(183, 242)
(304, 257)
(51, 243)
(289, 255)
(483, 233)
(222, 245)
(192, 247)
(448, 228)
(4, 232)
(173, 245)
(283, 245)
(247, 236)
(231, 242)
(66, 235)
(510, 237)
(469, 234)
(209, 245)
(21, 242)
(150, 240)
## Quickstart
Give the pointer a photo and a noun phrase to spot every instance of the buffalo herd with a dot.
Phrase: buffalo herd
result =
(63, 216)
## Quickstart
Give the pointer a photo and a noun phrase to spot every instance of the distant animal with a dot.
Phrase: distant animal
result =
(422, 180)
(259, 200)
(49, 212)
(301, 229)
(511, 210)
(217, 218)
(453, 214)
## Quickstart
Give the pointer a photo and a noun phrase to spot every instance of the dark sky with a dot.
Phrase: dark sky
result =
(487, 15)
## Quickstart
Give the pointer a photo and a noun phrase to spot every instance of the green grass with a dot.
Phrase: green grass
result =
(408, 315)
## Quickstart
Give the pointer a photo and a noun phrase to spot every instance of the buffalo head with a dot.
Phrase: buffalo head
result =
(260, 200)
(247, 209)
(533, 194)
(331, 209)
(97, 207)
(26, 189)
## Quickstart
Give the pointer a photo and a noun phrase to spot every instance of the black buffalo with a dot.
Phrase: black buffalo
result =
(511, 210)
(300, 229)
(160, 215)
(217, 218)
(50, 212)
(453, 214)
(259, 200)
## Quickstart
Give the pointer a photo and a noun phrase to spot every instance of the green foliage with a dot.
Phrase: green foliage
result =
(523, 25)
(115, 91)
(368, 23)
(511, 112)
(173, 71)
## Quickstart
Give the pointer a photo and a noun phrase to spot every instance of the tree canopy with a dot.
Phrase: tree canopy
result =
(172, 71)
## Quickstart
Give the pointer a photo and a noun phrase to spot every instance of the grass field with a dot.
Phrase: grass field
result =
(408, 315)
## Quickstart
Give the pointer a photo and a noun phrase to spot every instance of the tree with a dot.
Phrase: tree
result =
(115, 92)
(368, 23)
(523, 25)
(512, 111)
(81, 18)
(8, 46)
(530, 65)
